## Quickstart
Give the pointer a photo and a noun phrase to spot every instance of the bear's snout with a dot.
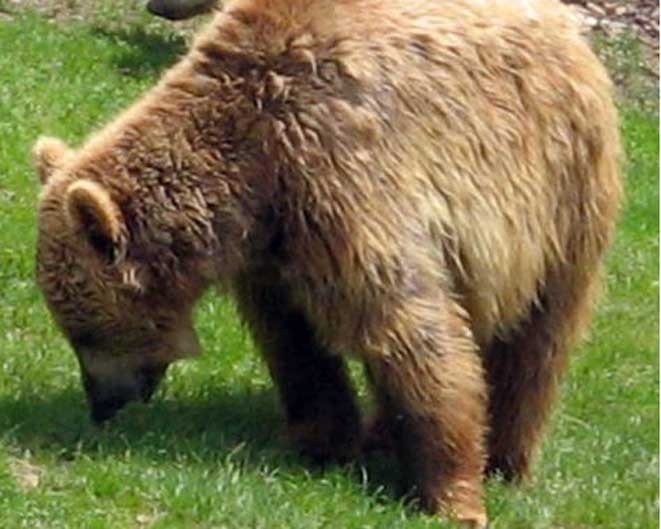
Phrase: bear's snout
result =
(108, 397)
(149, 379)
(103, 410)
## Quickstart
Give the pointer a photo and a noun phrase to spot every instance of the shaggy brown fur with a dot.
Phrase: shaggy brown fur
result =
(429, 186)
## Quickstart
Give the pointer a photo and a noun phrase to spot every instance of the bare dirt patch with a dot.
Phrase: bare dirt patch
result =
(27, 475)
(627, 38)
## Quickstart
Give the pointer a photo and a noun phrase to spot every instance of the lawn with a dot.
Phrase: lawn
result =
(208, 452)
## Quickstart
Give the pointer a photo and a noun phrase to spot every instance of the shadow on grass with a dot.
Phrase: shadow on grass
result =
(141, 52)
(209, 425)
(245, 426)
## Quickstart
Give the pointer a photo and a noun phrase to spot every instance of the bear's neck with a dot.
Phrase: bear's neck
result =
(196, 190)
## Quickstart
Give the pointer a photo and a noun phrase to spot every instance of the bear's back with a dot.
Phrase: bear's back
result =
(482, 132)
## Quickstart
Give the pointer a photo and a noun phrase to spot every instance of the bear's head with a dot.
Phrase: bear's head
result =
(125, 326)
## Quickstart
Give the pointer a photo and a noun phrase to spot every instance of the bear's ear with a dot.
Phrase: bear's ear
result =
(48, 155)
(91, 210)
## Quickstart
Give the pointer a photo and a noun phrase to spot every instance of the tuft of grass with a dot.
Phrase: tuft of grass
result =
(208, 452)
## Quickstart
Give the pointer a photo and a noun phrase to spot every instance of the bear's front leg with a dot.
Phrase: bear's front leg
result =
(323, 420)
(429, 381)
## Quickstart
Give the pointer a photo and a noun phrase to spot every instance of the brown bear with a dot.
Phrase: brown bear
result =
(428, 186)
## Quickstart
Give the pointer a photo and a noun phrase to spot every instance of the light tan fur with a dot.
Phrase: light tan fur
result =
(49, 155)
(430, 186)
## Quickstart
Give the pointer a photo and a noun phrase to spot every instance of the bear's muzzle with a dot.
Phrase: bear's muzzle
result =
(107, 398)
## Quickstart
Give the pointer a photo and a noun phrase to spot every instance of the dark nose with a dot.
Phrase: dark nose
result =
(149, 378)
(105, 400)
(107, 397)
(102, 410)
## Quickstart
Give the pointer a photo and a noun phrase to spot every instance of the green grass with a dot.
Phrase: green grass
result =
(625, 57)
(208, 452)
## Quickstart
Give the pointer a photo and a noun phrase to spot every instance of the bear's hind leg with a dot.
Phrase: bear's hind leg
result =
(429, 381)
(523, 371)
(323, 420)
